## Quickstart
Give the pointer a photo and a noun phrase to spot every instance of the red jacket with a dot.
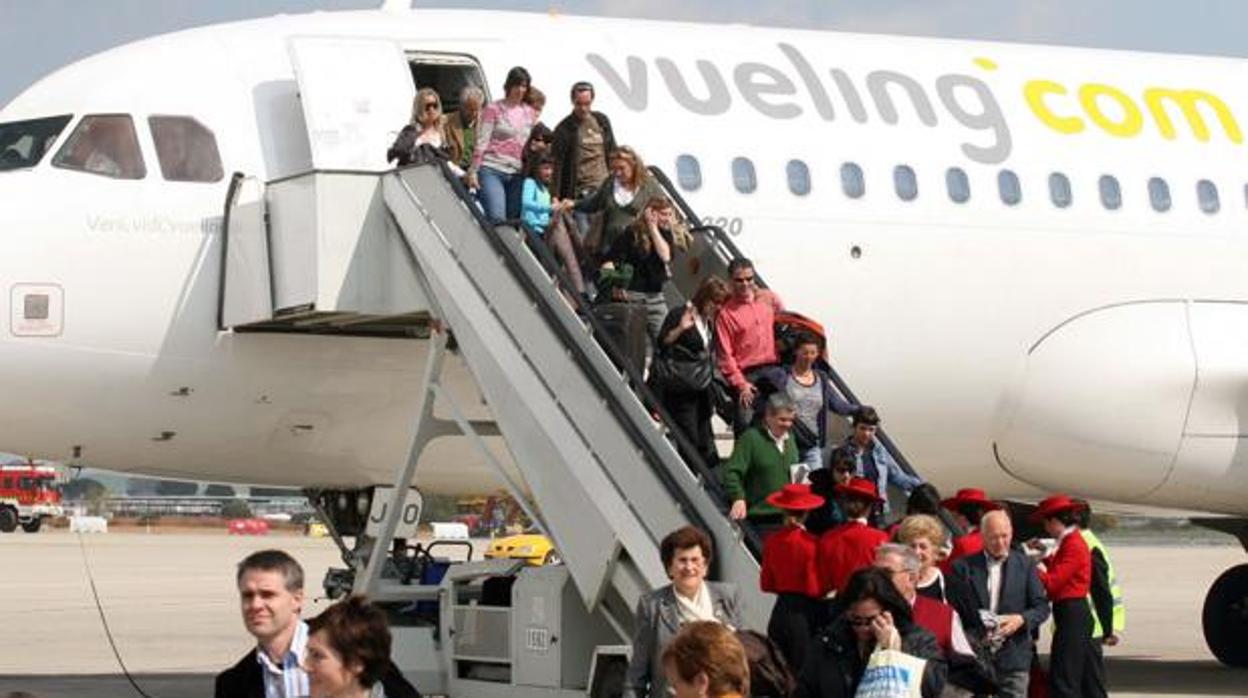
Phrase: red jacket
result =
(1069, 569)
(937, 619)
(963, 546)
(845, 550)
(789, 563)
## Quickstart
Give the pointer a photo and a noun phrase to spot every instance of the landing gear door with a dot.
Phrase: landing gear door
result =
(356, 94)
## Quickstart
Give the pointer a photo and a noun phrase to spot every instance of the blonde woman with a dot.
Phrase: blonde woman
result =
(926, 536)
(426, 128)
(620, 198)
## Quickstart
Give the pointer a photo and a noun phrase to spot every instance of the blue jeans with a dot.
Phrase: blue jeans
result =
(499, 194)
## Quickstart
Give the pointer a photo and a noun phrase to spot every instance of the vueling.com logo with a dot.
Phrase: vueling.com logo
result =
(966, 99)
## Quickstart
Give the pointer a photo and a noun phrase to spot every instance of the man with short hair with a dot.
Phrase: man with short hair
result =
(761, 463)
(1000, 595)
(270, 593)
(459, 128)
(937, 617)
(581, 146)
(745, 336)
(874, 462)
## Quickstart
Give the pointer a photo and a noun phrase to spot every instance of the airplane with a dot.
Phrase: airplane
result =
(1029, 258)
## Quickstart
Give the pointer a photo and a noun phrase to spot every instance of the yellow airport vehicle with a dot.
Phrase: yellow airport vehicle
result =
(534, 548)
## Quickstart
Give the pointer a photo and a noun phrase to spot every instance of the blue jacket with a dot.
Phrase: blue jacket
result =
(535, 205)
(889, 472)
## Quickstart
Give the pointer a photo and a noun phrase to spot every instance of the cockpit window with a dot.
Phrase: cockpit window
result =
(186, 149)
(103, 145)
(24, 143)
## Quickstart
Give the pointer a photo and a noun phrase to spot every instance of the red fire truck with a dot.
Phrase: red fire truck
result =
(28, 494)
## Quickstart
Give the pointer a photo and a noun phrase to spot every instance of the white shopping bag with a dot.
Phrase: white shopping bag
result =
(891, 674)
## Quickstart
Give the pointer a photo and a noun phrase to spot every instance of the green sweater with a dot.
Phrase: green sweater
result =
(757, 468)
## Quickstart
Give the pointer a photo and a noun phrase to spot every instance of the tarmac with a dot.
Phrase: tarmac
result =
(172, 608)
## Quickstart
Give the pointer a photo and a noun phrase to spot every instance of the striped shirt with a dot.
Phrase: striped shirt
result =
(289, 679)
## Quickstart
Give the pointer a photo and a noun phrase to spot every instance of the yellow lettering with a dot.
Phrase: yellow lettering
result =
(1132, 121)
(1035, 92)
(1189, 101)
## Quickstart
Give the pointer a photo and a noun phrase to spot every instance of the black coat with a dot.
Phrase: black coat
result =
(1021, 593)
(564, 149)
(834, 667)
(246, 680)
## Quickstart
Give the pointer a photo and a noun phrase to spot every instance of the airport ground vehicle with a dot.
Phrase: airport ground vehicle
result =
(533, 548)
(28, 494)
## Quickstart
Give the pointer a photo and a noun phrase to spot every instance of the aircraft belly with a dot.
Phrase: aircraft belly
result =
(259, 409)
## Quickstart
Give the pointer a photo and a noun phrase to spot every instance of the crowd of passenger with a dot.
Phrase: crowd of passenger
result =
(861, 594)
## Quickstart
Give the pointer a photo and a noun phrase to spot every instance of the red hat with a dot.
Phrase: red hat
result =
(1053, 505)
(795, 498)
(969, 495)
(859, 488)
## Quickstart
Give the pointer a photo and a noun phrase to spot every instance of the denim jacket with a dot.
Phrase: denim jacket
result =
(889, 471)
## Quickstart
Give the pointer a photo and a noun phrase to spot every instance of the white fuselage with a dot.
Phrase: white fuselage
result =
(1011, 347)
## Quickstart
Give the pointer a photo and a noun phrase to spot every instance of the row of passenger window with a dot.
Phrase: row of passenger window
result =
(957, 185)
(108, 145)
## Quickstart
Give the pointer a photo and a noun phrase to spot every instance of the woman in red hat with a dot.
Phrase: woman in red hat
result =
(968, 507)
(850, 546)
(1067, 577)
(789, 571)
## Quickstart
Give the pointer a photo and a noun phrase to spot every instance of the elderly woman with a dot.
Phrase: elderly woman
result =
(348, 654)
(925, 535)
(706, 660)
(686, 553)
(873, 615)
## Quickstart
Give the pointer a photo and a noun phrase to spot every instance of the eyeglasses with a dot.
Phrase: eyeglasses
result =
(431, 106)
(743, 279)
(862, 622)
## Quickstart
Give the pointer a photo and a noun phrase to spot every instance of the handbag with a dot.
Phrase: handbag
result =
(678, 370)
(892, 674)
(805, 437)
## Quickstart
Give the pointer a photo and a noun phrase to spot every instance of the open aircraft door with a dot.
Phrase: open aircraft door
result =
(356, 94)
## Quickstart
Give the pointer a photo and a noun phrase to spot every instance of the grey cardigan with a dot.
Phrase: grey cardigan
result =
(658, 621)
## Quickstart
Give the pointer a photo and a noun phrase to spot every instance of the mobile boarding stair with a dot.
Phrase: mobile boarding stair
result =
(406, 253)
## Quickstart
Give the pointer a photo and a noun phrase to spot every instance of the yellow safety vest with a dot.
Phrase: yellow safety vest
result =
(1120, 611)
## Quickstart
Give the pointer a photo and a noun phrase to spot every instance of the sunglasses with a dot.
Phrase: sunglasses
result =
(743, 280)
(861, 621)
(431, 106)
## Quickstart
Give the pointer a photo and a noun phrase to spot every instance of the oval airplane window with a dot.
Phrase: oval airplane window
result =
(104, 145)
(688, 173)
(906, 183)
(1111, 192)
(1010, 188)
(186, 149)
(1159, 194)
(1059, 190)
(799, 177)
(743, 177)
(958, 184)
(852, 182)
(1207, 195)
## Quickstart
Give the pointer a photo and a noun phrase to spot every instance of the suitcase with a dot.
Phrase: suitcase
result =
(625, 327)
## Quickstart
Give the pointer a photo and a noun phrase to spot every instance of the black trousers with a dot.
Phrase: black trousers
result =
(692, 413)
(1072, 658)
(767, 379)
(792, 626)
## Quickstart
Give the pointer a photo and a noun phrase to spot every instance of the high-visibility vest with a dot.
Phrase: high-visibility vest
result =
(1120, 611)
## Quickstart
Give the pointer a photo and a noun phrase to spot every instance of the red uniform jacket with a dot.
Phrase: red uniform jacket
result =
(937, 618)
(789, 558)
(963, 546)
(845, 550)
(1069, 573)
